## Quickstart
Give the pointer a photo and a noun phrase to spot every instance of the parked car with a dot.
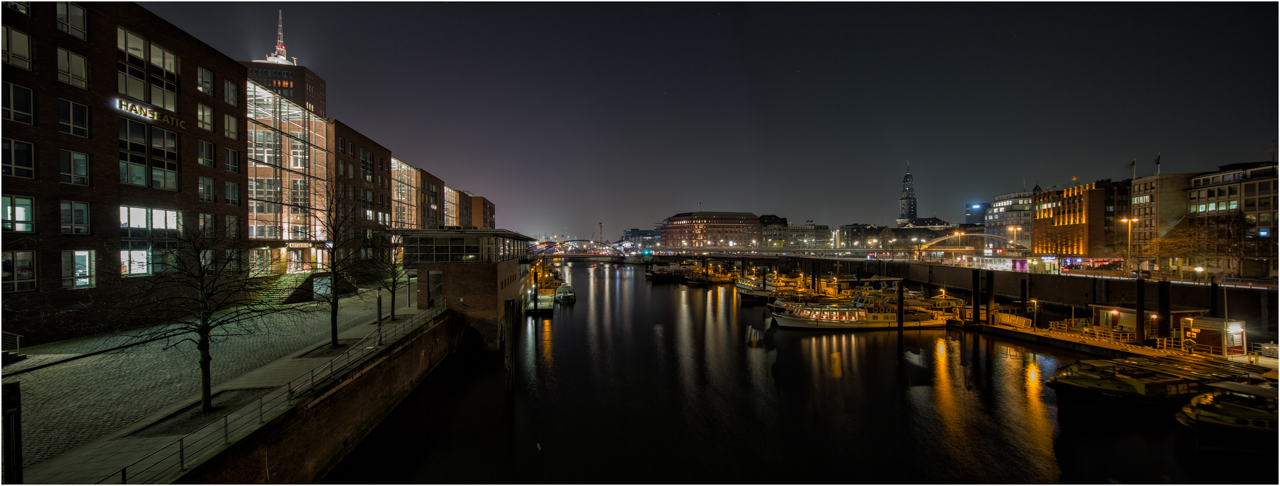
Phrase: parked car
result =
(1140, 273)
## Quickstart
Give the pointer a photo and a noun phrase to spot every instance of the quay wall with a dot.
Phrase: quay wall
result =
(1258, 307)
(325, 424)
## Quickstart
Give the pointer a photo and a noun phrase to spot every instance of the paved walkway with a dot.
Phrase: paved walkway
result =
(70, 404)
(1077, 337)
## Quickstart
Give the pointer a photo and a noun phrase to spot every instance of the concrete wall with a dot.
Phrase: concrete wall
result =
(323, 426)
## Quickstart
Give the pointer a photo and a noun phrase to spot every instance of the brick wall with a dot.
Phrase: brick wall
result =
(306, 442)
(476, 291)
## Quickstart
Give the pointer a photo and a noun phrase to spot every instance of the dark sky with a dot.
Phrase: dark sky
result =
(566, 115)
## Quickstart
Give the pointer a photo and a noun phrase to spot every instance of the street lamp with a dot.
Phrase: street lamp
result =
(1198, 270)
(1129, 255)
(1015, 229)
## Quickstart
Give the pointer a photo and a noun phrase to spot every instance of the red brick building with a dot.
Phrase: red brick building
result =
(115, 123)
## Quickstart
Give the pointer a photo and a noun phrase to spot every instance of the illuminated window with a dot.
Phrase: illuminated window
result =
(17, 48)
(72, 69)
(19, 213)
(78, 269)
(71, 20)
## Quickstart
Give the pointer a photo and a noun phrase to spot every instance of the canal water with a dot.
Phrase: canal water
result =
(641, 382)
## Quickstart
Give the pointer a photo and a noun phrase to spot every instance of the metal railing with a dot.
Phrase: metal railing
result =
(12, 342)
(188, 450)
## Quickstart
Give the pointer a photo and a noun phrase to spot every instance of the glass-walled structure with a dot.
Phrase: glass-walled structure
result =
(450, 207)
(463, 246)
(405, 184)
(288, 173)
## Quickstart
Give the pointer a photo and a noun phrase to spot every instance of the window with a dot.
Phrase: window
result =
(204, 154)
(136, 256)
(1234, 204)
(71, 20)
(232, 160)
(17, 103)
(204, 117)
(233, 193)
(204, 80)
(19, 271)
(230, 93)
(233, 227)
(74, 168)
(230, 127)
(77, 269)
(19, 213)
(135, 73)
(207, 225)
(75, 217)
(72, 69)
(19, 159)
(206, 190)
(73, 118)
(17, 48)
(22, 7)
(233, 262)
(135, 155)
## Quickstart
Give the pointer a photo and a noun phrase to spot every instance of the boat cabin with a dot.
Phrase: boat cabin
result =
(1123, 317)
(1213, 336)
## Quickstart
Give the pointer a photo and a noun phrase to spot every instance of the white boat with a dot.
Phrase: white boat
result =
(748, 283)
(564, 294)
(858, 314)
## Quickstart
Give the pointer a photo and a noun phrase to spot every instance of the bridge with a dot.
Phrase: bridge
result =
(983, 235)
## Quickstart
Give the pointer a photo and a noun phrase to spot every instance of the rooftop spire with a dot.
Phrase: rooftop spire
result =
(279, 56)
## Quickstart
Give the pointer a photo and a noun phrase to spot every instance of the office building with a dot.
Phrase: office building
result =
(708, 229)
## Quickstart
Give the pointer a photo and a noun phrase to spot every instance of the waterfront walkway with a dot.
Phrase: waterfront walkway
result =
(73, 411)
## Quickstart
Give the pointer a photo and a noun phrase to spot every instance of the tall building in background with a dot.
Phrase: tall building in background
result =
(284, 76)
(907, 203)
(976, 213)
(774, 231)
(1080, 223)
(482, 213)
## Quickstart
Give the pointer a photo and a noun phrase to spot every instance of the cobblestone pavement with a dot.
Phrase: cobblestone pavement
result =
(69, 404)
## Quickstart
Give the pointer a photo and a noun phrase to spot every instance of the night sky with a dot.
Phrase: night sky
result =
(567, 115)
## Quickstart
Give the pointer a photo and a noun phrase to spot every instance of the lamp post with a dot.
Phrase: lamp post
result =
(1015, 229)
(1129, 254)
(1199, 270)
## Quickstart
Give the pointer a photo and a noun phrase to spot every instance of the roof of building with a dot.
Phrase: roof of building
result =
(462, 231)
(716, 213)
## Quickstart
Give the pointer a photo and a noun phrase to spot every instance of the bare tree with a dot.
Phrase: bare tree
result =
(339, 218)
(386, 265)
(191, 285)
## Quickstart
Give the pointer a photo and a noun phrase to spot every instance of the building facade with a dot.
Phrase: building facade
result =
(1238, 203)
(482, 213)
(1155, 207)
(406, 195)
(117, 126)
(774, 231)
(1010, 216)
(708, 229)
(1079, 223)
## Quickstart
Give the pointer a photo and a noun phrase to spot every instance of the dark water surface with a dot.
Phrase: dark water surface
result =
(659, 383)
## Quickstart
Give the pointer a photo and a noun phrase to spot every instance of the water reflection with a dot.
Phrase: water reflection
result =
(658, 383)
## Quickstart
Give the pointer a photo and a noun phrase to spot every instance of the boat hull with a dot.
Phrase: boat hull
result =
(799, 322)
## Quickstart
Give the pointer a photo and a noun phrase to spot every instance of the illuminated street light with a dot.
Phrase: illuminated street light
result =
(1129, 254)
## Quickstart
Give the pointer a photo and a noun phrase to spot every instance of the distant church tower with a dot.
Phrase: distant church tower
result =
(907, 204)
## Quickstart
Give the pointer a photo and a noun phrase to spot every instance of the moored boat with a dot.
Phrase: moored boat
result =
(1141, 380)
(564, 294)
(860, 313)
(1236, 412)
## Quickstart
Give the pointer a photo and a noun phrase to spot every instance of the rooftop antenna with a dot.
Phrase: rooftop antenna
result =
(279, 56)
